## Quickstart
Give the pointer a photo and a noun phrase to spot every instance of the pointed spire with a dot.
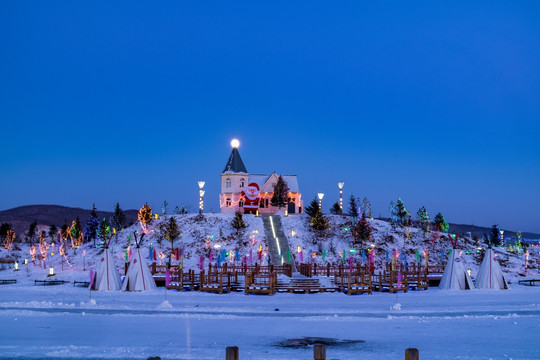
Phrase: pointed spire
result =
(235, 163)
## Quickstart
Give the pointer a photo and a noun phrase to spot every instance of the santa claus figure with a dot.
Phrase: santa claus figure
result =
(251, 198)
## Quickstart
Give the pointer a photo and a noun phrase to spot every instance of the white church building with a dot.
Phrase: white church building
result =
(251, 193)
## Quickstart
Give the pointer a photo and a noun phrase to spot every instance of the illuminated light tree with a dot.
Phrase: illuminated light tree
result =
(440, 224)
(366, 208)
(75, 232)
(43, 246)
(423, 218)
(353, 207)
(336, 209)
(9, 239)
(281, 194)
(118, 219)
(402, 213)
(362, 231)
(238, 222)
(312, 208)
(145, 217)
(104, 232)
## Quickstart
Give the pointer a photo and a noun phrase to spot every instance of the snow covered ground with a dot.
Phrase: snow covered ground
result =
(65, 322)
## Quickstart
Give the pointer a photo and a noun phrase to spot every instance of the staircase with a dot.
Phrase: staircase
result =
(276, 240)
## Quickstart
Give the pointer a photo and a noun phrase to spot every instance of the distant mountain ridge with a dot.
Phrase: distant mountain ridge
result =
(21, 217)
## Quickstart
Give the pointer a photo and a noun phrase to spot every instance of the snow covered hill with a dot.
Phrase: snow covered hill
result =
(211, 235)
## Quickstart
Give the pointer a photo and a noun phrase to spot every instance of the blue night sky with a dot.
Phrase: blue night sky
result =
(438, 104)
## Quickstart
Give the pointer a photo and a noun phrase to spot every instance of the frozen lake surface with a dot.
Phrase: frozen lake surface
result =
(63, 322)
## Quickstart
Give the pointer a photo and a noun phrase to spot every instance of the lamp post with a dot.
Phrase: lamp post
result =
(320, 195)
(201, 194)
(340, 186)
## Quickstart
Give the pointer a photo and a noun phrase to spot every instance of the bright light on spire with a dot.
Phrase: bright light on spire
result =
(235, 143)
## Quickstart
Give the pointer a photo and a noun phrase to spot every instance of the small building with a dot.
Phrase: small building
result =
(251, 193)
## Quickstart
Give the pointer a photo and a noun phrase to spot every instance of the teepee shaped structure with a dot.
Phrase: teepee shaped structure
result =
(455, 277)
(106, 276)
(138, 276)
(490, 275)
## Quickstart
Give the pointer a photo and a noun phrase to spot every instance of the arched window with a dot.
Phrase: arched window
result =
(228, 202)
(228, 183)
(242, 182)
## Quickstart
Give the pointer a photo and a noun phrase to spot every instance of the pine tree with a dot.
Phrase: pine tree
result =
(367, 207)
(402, 213)
(31, 233)
(362, 231)
(423, 218)
(494, 236)
(118, 219)
(312, 208)
(92, 225)
(353, 207)
(281, 194)
(52, 232)
(172, 232)
(238, 222)
(439, 222)
(335, 209)
(319, 222)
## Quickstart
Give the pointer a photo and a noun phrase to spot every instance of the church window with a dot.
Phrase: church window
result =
(242, 182)
(228, 202)
(228, 183)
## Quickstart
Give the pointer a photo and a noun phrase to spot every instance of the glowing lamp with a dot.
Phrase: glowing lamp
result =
(51, 271)
(286, 212)
(156, 216)
(320, 195)
(257, 213)
(298, 249)
(293, 232)
(469, 272)
(25, 261)
(201, 193)
(235, 143)
(217, 246)
(16, 265)
(201, 184)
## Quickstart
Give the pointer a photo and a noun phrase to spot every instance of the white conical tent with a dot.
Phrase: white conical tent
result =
(455, 277)
(106, 277)
(138, 276)
(490, 275)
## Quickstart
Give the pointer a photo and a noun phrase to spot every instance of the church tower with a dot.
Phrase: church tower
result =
(234, 180)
